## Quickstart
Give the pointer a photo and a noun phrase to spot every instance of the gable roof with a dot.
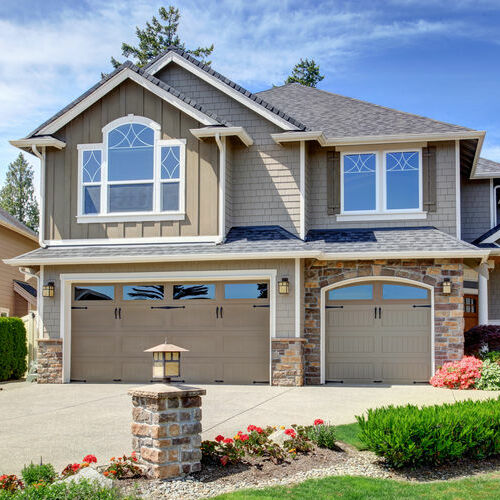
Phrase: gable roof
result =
(10, 222)
(486, 169)
(339, 116)
(126, 70)
(230, 87)
(488, 238)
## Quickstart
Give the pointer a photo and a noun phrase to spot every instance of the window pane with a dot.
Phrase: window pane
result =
(170, 162)
(170, 196)
(360, 182)
(357, 292)
(130, 153)
(194, 292)
(390, 292)
(402, 179)
(105, 292)
(91, 166)
(143, 292)
(245, 291)
(91, 199)
(131, 198)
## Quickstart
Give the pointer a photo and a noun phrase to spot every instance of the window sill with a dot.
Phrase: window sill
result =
(380, 216)
(145, 217)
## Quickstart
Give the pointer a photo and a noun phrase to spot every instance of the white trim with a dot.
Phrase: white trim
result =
(132, 241)
(458, 220)
(481, 134)
(493, 218)
(220, 85)
(482, 290)
(38, 141)
(310, 135)
(222, 145)
(302, 191)
(240, 132)
(298, 301)
(113, 82)
(492, 238)
(128, 217)
(362, 279)
(67, 280)
(376, 216)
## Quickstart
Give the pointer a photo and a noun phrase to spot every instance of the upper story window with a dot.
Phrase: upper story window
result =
(381, 182)
(132, 175)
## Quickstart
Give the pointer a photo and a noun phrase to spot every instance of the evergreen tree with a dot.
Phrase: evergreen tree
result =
(17, 196)
(157, 36)
(305, 72)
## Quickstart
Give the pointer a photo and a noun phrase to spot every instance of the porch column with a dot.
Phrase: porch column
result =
(483, 273)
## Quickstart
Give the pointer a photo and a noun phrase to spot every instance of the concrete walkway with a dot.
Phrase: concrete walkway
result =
(63, 423)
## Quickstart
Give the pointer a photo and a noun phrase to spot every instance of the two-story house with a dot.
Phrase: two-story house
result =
(290, 236)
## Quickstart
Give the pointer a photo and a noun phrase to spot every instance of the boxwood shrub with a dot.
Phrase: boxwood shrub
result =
(408, 436)
(13, 348)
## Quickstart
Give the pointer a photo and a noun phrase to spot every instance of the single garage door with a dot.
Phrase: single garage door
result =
(225, 326)
(378, 332)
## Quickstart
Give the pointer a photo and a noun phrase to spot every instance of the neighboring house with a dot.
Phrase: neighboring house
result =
(17, 297)
(291, 236)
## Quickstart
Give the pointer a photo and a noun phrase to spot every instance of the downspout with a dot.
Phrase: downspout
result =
(41, 228)
(221, 144)
(39, 302)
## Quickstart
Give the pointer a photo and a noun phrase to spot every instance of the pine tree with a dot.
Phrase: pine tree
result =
(17, 196)
(157, 36)
(305, 72)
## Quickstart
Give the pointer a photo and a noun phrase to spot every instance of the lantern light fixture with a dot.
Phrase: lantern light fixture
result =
(49, 289)
(446, 287)
(284, 286)
(166, 362)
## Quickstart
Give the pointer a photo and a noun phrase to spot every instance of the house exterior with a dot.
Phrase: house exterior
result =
(289, 237)
(17, 296)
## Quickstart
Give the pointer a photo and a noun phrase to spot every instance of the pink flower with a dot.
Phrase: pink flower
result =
(461, 374)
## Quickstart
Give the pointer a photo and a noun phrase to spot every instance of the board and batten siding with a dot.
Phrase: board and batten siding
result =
(444, 218)
(264, 177)
(202, 167)
(476, 217)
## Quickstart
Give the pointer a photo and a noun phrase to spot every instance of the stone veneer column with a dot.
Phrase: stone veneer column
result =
(49, 361)
(288, 361)
(166, 429)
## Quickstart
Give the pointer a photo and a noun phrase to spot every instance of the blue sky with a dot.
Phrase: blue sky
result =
(434, 58)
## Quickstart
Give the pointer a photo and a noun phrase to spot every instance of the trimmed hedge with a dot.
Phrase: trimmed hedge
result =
(410, 436)
(13, 348)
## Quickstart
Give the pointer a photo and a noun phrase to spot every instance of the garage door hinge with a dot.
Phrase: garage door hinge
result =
(426, 305)
(335, 307)
(168, 307)
(261, 305)
(79, 307)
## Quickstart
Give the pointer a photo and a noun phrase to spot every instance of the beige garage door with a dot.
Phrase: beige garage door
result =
(225, 326)
(378, 332)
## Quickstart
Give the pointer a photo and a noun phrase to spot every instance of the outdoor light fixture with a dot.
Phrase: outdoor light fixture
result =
(48, 289)
(284, 286)
(166, 362)
(446, 287)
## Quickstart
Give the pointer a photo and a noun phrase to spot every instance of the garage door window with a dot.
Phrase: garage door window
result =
(183, 292)
(245, 291)
(402, 292)
(143, 292)
(357, 292)
(105, 292)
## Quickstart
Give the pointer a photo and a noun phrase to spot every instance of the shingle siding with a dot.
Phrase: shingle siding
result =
(475, 197)
(494, 294)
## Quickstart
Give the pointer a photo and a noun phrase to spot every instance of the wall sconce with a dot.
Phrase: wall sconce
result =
(284, 286)
(49, 289)
(446, 287)
(166, 362)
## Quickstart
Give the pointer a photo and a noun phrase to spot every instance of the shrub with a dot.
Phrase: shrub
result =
(482, 338)
(492, 356)
(10, 483)
(13, 348)
(43, 473)
(461, 374)
(490, 376)
(409, 436)
(324, 435)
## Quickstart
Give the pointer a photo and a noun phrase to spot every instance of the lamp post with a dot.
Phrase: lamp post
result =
(166, 362)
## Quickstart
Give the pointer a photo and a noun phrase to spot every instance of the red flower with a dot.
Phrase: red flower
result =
(251, 428)
(228, 440)
(219, 438)
(244, 437)
(259, 430)
(90, 459)
(318, 421)
(224, 460)
(290, 432)
(75, 467)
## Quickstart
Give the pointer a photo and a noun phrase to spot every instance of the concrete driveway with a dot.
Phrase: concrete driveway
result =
(63, 423)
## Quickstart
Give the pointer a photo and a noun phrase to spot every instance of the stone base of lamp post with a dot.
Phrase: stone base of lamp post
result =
(166, 429)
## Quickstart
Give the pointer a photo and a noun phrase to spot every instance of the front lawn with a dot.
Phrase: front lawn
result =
(358, 488)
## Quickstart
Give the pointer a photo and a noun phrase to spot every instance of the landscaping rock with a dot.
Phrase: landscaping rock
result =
(91, 475)
(279, 437)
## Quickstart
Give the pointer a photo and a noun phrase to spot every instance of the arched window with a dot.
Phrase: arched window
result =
(132, 174)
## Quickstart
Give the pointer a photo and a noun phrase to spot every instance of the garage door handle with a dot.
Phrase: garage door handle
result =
(375, 310)
(217, 312)
(116, 312)
(221, 312)
(379, 313)
(119, 313)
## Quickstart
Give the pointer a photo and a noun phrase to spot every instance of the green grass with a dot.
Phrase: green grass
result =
(361, 488)
(348, 433)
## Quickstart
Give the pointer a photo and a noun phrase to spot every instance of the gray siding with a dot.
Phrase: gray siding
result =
(475, 197)
(444, 218)
(265, 177)
(494, 294)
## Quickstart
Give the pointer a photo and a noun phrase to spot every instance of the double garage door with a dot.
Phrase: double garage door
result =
(225, 326)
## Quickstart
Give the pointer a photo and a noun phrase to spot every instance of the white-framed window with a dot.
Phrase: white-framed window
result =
(132, 174)
(381, 184)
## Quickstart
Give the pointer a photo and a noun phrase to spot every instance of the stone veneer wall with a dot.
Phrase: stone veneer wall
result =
(49, 361)
(448, 309)
(288, 362)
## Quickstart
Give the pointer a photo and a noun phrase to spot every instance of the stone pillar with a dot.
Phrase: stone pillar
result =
(166, 429)
(483, 274)
(288, 361)
(49, 361)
